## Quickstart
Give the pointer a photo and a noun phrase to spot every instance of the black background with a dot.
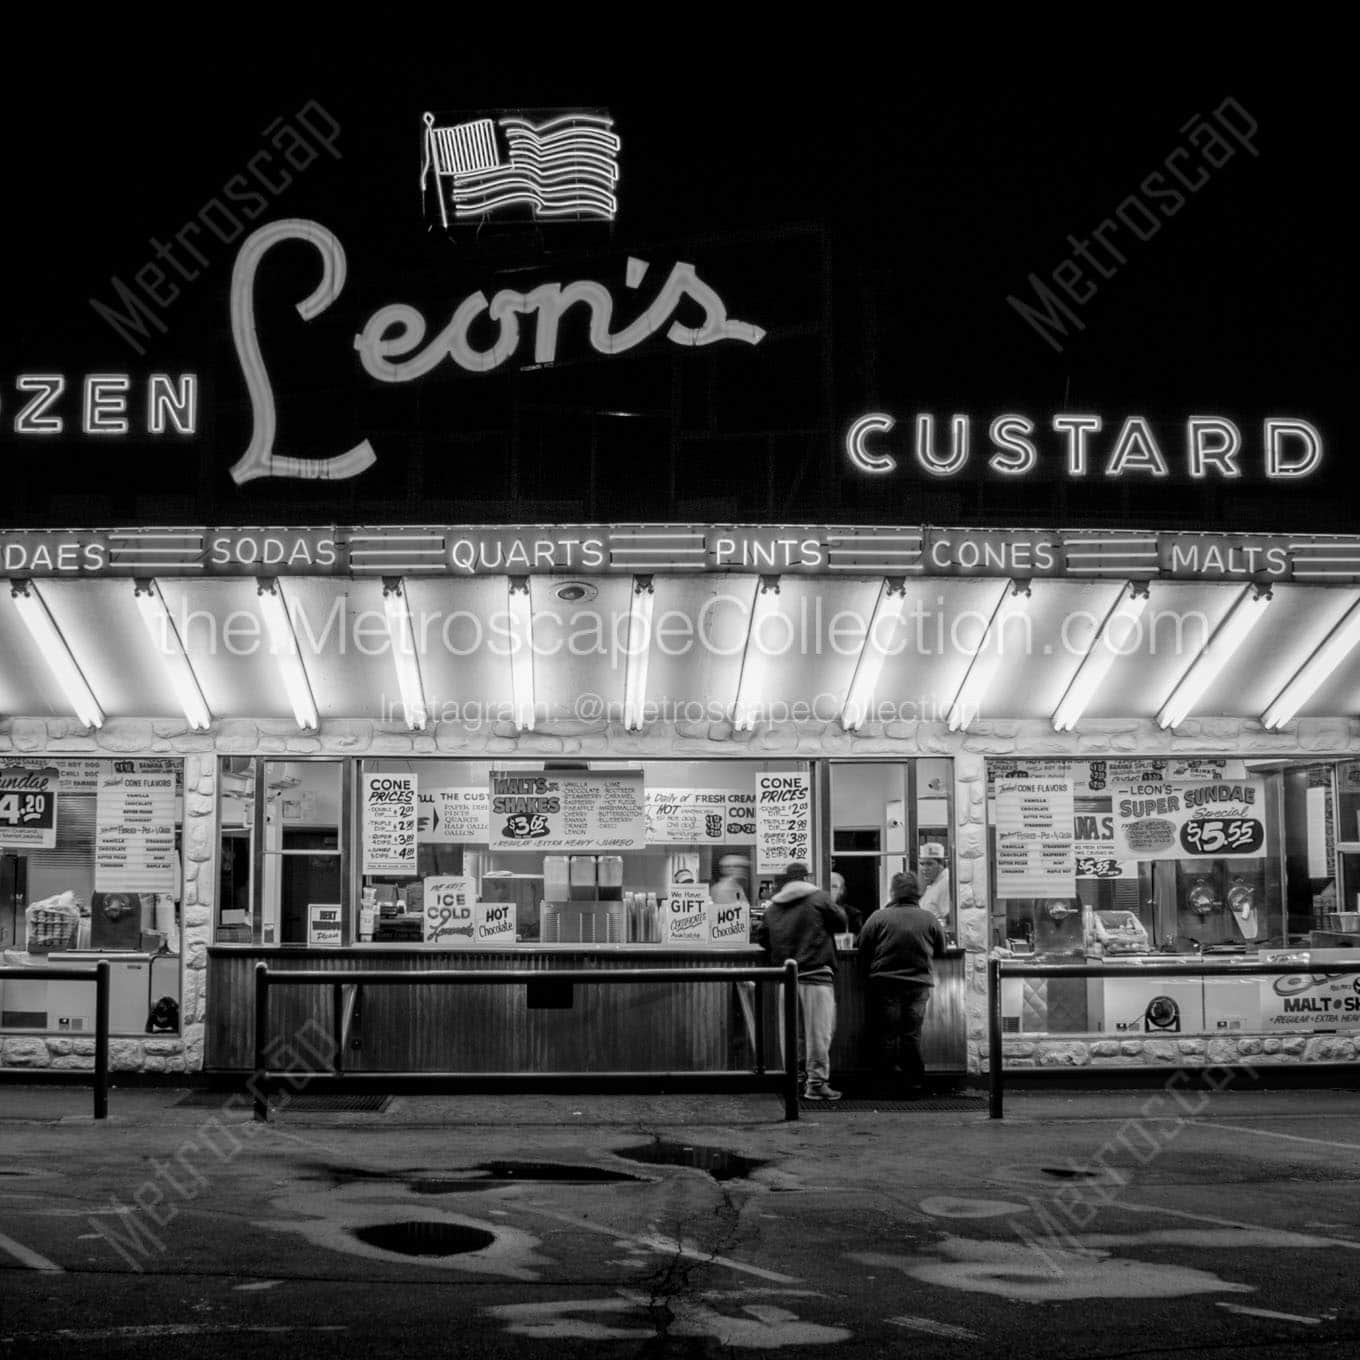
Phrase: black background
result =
(871, 203)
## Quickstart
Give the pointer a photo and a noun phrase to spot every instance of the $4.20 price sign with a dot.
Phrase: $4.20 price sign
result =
(28, 811)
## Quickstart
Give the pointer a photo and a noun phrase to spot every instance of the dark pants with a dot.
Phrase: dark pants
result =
(899, 1011)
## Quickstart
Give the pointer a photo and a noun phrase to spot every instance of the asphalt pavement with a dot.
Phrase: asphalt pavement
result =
(1196, 1219)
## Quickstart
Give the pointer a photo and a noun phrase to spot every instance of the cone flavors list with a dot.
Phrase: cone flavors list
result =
(1034, 843)
(135, 828)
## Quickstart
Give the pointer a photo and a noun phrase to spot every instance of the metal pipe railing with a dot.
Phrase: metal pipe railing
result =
(785, 1081)
(99, 975)
(999, 969)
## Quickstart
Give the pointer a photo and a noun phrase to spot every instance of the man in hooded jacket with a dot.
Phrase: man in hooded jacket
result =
(897, 949)
(801, 923)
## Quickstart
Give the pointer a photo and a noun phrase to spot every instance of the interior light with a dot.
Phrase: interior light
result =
(402, 637)
(986, 660)
(40, 624)
(892, 599)
(1109, 643)
(522, 653)
(165, 639)
(1308, 680)
(283, 644)
(1230, 635)
(754, 660)
(639, 652)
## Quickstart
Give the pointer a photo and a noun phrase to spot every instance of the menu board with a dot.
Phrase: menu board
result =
(324, 928)
(28, 808)
(1210, 819)
(135, 828)
(454, 816)
(1034, 841)
(453, 916)
(73, 776)
(687, 914)
(699, 816)
(783, 820)
(1094, 778)
(573, 811)
(390, 824)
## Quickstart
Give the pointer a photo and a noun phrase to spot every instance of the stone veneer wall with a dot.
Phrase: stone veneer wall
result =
(1028, 738)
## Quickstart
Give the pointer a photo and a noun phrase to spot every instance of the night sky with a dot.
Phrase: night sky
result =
(873, 224)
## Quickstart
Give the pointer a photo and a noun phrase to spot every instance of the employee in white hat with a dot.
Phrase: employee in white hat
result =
(934, 873)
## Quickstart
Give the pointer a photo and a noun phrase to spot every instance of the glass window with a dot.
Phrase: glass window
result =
(888, 816)
(90, 868)
(293, 891)
(581, 851)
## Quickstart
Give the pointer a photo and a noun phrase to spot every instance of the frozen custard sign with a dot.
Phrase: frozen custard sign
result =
(395, 346)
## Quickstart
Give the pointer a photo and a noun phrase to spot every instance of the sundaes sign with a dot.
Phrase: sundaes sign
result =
(393, 347)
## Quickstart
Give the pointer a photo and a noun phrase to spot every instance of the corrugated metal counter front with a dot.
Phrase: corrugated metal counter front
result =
(629, 1027)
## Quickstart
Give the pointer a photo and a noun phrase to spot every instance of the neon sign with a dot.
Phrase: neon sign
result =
(1212, 446)
(392, 345)
(105, 403)
(561, 168)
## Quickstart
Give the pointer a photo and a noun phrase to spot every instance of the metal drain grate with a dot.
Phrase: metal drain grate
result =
(929, 1105)
(304, 1103)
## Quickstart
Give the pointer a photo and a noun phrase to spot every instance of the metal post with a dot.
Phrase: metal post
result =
(994, 1037)
(338, 1027)
(261, 1024)
(101, 1039)
(789, 996)
(758, 1016)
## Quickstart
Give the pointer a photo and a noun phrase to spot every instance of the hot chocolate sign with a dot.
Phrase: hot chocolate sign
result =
(392, 346)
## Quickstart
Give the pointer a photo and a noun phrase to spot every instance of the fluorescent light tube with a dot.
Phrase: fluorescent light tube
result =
(1231, 634)
(1308, 680)
(522, 654)
(754, 662)
(1108, 644)
(284, 646)
(987, 659)
(40, 624)
(402, 638)
(639, 653)
(892, 599)
(165, 639)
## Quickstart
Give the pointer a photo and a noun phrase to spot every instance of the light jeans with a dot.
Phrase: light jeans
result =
(817, 1012)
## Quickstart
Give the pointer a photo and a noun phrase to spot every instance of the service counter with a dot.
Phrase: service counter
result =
(625, 1027)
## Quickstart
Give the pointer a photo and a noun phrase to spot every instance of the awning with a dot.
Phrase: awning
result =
(743, 647)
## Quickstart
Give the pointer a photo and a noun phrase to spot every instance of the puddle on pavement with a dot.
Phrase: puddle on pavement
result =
(424, 1239)
(490, 1174)
(1070, 1173)
(721, 1164)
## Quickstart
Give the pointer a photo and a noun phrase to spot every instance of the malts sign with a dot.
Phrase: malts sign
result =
(460, 551)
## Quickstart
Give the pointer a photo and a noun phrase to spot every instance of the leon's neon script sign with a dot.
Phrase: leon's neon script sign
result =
(1212, 447)
(393, 349)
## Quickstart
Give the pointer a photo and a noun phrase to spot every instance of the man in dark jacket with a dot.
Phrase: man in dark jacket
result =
(800, 923)
(897, 949)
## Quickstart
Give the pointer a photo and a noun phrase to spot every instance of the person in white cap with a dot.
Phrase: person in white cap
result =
(934, 872)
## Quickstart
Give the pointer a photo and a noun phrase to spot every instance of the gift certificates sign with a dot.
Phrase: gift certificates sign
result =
(135, 828)
(390, 824)
(783, 820)
(28, 809)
